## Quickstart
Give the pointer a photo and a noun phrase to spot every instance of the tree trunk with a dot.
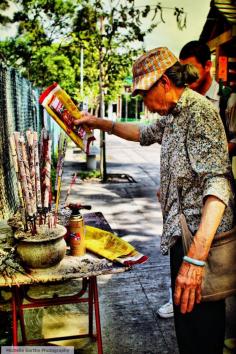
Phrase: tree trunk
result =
(126, 108)
(136, 108)
(103, 168)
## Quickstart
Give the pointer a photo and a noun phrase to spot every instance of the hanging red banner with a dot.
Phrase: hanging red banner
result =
(223, 66)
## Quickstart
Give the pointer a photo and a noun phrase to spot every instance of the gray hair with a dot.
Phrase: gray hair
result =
(182, 75)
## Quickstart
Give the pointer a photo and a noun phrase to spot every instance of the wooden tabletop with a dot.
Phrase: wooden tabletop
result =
(70, 267)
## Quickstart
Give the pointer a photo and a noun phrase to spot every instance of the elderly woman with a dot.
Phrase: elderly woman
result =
(194, 159)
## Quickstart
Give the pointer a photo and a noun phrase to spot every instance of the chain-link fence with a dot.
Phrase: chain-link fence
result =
(19, 110)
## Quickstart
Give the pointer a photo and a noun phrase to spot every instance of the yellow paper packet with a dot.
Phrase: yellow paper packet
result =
(63, 110)
(106, 244)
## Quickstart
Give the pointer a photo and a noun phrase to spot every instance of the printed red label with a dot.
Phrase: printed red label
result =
(75, 236)
(63, 114)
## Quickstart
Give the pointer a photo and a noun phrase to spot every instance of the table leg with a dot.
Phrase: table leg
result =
(19, 305)
(97, 314)
(14, 318)
(90, 308)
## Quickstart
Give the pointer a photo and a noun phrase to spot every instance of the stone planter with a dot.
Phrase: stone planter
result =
(44, 251)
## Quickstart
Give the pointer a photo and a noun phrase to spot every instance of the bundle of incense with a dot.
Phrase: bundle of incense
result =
(63, 110)
(25, 155)
(31, 154)
(23, 166)
(46, 144)
(16, 168)
(37, 172)
(62, 145)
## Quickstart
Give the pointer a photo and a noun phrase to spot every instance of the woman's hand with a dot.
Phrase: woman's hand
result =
(128, 131)
(188, 286)
(88, 120)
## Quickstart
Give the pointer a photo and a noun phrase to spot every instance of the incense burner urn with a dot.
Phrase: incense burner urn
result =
(43, 250)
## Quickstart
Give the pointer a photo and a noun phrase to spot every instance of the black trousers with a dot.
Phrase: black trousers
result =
(202, 330)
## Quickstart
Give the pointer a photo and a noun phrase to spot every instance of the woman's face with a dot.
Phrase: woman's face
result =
(155, 99)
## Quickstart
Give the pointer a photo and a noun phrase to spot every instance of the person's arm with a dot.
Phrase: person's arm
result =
(232, 148)
(189, 279)
(159, 194)
(207, 150)
(230, 116)
(126, 131)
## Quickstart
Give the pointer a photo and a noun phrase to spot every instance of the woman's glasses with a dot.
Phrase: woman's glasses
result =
(144, 93)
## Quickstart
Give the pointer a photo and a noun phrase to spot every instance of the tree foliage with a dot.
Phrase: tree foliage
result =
(4, 5)
(51, 33)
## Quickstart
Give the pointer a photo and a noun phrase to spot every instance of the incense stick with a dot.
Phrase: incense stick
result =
(70, 187)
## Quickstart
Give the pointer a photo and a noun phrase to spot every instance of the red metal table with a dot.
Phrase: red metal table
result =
(86, 268)
(21, 284)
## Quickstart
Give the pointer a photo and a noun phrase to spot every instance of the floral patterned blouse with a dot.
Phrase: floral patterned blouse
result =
(193, 156)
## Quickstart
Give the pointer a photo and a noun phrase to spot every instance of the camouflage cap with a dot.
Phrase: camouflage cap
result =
(150, 67)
